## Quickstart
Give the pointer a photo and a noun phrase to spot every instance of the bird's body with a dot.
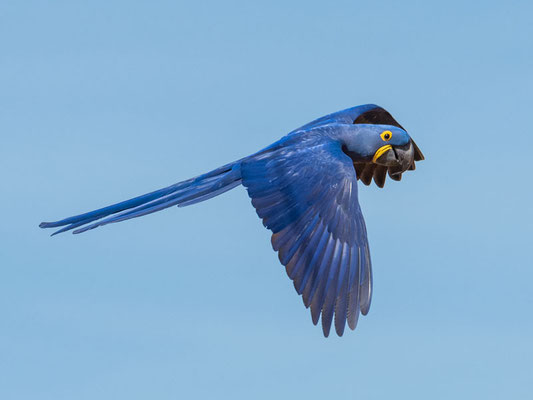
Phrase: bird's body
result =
(304, 187)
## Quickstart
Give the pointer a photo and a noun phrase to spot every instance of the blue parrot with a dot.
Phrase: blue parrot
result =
(304, 188)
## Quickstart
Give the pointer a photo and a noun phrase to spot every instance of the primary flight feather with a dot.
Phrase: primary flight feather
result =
(304, 188)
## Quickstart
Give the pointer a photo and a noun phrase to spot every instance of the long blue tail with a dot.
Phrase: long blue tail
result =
(180, 194)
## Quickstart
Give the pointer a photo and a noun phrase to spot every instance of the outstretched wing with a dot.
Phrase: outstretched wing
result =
(307, 197)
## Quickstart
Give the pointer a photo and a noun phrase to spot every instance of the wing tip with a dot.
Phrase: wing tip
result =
(325, 329)
(339, 330)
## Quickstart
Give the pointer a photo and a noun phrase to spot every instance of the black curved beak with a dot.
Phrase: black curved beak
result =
(394, 160)
(397, 159)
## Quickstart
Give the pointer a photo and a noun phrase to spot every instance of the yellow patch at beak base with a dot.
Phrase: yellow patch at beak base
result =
(382, 150)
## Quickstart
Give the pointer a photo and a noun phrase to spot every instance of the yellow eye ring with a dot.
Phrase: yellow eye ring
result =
(386, 135)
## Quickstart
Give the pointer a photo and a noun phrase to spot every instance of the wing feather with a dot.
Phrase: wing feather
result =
(307, 196)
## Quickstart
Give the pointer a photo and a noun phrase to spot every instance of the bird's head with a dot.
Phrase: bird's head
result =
(386, 145)
(381, 146)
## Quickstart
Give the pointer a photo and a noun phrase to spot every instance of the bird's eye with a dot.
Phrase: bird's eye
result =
(386, 135)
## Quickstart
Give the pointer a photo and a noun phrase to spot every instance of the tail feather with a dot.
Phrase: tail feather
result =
(182, 194)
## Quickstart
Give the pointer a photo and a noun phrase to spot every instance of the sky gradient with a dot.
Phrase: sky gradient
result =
(101, 102)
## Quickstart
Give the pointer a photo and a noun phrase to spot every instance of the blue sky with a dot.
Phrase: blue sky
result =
(100, 102)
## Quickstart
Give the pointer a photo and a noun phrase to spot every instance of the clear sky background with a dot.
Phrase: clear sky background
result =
(100, 102)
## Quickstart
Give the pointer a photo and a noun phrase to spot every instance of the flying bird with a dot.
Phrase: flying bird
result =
(304, 188)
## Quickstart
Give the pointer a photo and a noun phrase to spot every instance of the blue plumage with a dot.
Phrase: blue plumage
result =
(304, 188)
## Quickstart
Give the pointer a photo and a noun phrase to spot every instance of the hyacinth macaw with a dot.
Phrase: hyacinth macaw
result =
(304, 188)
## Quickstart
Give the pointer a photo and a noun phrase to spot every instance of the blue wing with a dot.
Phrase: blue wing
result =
(307, 196)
